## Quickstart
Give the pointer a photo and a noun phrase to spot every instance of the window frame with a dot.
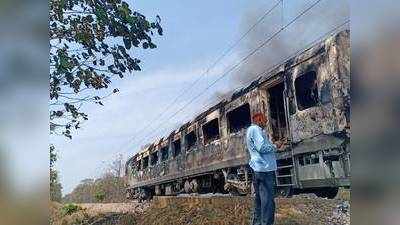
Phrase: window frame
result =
(307, 159)
(229, 122)
(138, 165)
(174, 155)
(151, 158)
(308, 73)
(164, 149)
(206, 142)
(148, 162)
(187, 148)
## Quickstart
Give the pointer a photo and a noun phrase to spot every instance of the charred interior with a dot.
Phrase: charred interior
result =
(277, 111)
(239, 118)
(154, 158)
(306, 90)
(190, 140)
(164, 153)
(176, 147)
(145, 162)
(211, 131)
(308, 159)
(138, 165)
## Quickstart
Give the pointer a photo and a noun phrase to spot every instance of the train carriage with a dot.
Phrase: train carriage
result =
(306, 102)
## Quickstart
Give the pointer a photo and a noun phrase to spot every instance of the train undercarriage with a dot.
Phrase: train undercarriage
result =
(330, 170)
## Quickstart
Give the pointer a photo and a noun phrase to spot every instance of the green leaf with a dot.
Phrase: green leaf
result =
(127, 43)
(152, 45)
(101, 14)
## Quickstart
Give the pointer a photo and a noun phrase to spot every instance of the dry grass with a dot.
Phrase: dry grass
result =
(58, 217)
(201, 211)
(234, 211)
(344, 194)
(95, 214)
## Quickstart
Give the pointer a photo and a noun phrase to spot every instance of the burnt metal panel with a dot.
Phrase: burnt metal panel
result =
(329, 116)
(318, 143)
(311, 130)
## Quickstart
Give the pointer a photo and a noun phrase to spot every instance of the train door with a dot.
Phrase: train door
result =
(277, 115)
(273, 104)
(274, 99)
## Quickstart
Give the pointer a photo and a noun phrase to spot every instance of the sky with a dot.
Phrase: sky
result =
(196, 33)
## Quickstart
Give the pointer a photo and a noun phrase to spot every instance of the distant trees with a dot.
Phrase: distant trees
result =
(106, 189)
(109, 188)
(100, 195)
(116, 166)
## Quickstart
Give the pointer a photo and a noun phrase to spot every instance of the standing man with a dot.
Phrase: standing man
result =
(263, 163)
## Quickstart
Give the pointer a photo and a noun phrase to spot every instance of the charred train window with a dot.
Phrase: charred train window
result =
(154, 158)
(239, 118)
(145, 162)
(138, 165)
(308, 159)
(190, 140)
(211, 131)
(306, 90)
(177, 147)
(277, 111)
(164, 153)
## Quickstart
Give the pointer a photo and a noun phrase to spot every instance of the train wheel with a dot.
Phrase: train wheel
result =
(329, 192)
(187, 187)
(234, 192)
(128, 194)
(285, 192)
(157, 190)
(144, 195)
(194, 186)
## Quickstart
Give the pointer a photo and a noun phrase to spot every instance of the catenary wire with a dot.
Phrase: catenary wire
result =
(237, 65)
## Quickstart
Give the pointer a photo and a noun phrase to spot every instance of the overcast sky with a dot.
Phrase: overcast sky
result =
(195, 34)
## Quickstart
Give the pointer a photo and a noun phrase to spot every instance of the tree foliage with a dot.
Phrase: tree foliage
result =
(69, 209)
(91, 43)
(100, 195)
(55, 185)
(106, 189)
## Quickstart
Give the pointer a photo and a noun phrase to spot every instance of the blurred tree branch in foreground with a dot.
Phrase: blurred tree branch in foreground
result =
(91, 44)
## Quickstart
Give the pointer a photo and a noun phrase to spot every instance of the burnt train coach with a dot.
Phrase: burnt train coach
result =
(306, 102)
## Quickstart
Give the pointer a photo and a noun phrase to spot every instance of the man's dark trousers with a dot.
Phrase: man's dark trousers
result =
(264, 203)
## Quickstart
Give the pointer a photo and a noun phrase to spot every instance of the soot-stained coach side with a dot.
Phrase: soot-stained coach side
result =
(306, 102)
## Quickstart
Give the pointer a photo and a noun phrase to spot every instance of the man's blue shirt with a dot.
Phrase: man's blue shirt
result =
(262, 151)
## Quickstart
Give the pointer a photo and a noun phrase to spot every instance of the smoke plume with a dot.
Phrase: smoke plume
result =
(320, 19)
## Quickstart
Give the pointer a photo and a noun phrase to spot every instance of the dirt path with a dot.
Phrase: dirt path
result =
(211, 210)
(105, 208)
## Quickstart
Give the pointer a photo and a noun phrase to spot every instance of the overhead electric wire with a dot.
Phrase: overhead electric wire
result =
(239, 63)
(244, 59)
(225, 53)
(308, 46)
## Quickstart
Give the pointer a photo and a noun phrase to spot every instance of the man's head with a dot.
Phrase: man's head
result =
(259, 119)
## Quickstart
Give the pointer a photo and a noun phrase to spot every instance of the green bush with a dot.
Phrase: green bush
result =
(70, 208)
(100, 196)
